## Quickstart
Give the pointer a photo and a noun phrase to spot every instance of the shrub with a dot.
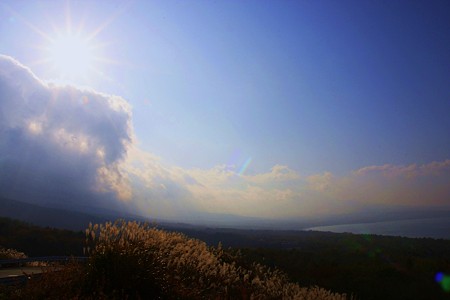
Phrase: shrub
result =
(141, 261)
(11, 254)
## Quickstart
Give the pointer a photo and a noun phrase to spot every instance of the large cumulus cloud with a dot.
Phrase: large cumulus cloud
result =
(60, 144)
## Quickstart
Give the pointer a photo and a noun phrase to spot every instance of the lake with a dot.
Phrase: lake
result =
(416, 228)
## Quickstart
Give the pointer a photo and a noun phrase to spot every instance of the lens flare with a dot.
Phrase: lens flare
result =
(443, 280)
(245, 166)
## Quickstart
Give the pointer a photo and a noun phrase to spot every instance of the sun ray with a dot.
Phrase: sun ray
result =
(27, 23)
(68, 18)
(107, 22)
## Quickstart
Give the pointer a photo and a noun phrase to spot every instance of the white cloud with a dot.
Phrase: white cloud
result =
(416, 185)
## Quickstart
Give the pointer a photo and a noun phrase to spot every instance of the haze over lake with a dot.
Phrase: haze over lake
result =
(417, 228)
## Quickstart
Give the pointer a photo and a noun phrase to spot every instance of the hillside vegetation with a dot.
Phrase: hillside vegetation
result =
(6, 253)
(364, 266)
(39, 241)
(133, 260)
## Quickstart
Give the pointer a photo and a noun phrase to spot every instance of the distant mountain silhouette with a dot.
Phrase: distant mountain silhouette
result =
(51, 217)
(75, 219)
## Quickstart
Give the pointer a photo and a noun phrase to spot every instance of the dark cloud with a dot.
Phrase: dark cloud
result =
(60, 144)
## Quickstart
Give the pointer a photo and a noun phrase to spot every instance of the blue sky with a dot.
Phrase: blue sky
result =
(317, 87)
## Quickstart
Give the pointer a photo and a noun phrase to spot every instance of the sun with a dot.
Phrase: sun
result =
(73, 52)
(71, 55)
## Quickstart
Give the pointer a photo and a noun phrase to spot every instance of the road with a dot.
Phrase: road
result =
(13, 272)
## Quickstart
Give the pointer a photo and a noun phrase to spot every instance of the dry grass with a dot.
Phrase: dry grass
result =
(11, 254)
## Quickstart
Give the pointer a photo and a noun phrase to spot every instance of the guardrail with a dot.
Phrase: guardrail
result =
(21, 261)
(17, 280)
(22, 279)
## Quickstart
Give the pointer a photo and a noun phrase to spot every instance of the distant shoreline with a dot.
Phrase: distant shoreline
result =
(437, 228)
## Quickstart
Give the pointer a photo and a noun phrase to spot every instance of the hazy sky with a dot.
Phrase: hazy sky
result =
(257, 108)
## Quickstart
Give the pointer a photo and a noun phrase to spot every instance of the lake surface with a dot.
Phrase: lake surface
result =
(417, 228)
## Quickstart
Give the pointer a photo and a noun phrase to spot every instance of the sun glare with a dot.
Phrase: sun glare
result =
(71, 55)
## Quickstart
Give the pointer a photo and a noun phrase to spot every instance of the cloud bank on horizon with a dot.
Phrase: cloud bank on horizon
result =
(67, 146)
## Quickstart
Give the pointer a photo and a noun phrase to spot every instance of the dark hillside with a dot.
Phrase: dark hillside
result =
(38, 241)
(47, 216)
(368, 266)
(371, 267)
